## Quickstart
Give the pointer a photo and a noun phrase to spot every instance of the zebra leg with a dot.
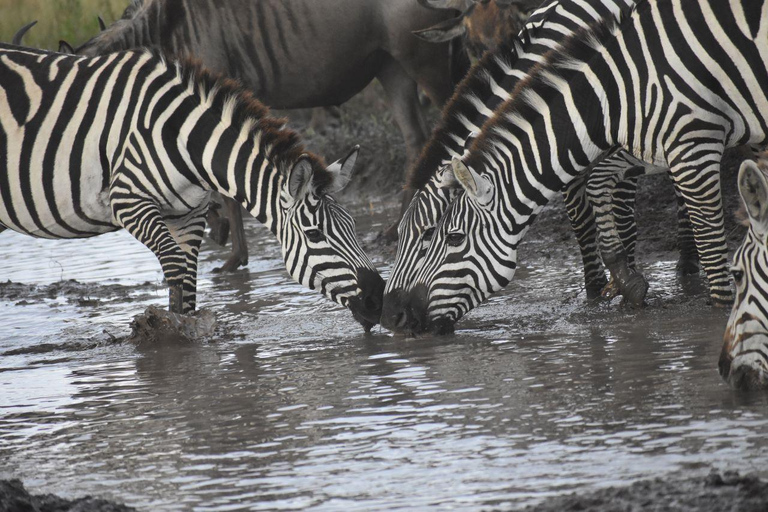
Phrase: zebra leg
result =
(697, 177)
(188, 232)
(601, 188)
(688, 263)
(583, 223)
(142, 218)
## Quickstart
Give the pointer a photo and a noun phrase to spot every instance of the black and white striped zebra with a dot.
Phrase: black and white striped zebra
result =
(675, 83)
(128, 140)
(744, 357)
(488, 84)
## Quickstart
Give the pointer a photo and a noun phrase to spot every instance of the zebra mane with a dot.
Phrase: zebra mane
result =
(232, 100)
(451, 121)
(463, 100)
(575, 51)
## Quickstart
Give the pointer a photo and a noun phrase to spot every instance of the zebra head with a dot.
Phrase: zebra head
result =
(319, 245)
(469, 258)
(744, 357)
(415, 233)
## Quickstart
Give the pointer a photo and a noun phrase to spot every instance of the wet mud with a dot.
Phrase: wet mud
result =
(286, 403)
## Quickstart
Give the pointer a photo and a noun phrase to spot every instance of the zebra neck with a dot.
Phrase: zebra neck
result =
(237, 163)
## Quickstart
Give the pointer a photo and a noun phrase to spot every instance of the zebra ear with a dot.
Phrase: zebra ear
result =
(753, 187)
(478, 187)
(300, 178)
(341, 171)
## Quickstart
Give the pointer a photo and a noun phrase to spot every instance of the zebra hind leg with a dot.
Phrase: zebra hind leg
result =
(697, 178)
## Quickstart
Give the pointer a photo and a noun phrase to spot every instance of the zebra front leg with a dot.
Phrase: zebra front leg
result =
(583, 223)
(697, 179)
(188, 233)
(142, 219)
(604, 196)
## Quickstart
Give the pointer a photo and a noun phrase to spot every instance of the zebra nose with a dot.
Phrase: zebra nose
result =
(724, 364)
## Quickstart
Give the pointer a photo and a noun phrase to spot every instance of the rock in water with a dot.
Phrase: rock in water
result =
(159, 325)
(14, 498)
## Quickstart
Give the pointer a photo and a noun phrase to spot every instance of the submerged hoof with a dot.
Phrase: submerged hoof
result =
(634, 290)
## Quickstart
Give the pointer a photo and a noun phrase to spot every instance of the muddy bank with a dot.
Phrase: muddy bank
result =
(713, 493)
(15, 498)
(679, 493)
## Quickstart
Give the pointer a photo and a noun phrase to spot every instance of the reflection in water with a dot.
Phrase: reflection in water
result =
(537, 394)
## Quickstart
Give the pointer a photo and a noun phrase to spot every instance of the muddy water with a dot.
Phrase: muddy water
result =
(293, 407)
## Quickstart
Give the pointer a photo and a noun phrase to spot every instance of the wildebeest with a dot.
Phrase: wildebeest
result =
(299, 54)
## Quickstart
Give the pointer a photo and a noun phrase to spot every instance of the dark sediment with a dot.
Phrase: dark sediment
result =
(15, 498)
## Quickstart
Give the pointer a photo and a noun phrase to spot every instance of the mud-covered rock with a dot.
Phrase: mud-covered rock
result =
(15, 498)
(715, 492)
(159, 325)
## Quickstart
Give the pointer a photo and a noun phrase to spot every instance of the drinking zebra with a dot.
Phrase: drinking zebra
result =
(128, 140)
(488, 84)
(674, 83)
(744, 358)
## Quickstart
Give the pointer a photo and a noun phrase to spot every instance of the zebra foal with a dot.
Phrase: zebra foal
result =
(675, 83)
(744, 357)
(129, 140)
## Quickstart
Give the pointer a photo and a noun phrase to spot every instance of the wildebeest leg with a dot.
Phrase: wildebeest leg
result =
(217, 223)
(239, 255)
(322, 117)
(403, 99)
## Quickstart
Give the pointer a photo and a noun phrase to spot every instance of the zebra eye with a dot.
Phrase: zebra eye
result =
(737, 274)
(428, 234)
(314, 235)
(454, 239)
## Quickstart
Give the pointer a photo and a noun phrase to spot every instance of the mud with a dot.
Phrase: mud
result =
(715, 492)
(15, 498)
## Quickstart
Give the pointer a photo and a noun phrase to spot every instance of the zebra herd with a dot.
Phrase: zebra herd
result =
(591, 95)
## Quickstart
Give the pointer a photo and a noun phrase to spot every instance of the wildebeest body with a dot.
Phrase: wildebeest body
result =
(301, 53)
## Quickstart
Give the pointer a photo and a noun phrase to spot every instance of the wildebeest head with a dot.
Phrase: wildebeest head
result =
(484, 24)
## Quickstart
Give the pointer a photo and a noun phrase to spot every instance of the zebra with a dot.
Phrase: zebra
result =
(483, 89)
(299, 54)
(674, 82)
(131, 140)
(744, 357)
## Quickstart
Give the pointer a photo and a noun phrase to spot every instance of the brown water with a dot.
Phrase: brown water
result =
(295, 408)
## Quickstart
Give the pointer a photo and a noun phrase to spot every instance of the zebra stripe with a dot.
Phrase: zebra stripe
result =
(704, 89)
(744, 357)
(128, 140)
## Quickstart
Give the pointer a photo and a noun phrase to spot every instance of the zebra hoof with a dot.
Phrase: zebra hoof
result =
(634, 290)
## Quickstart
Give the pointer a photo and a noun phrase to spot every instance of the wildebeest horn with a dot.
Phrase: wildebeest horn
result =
(443, 31)
(102, 25)
(65, 47)
(17, 37)
(459, 5)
